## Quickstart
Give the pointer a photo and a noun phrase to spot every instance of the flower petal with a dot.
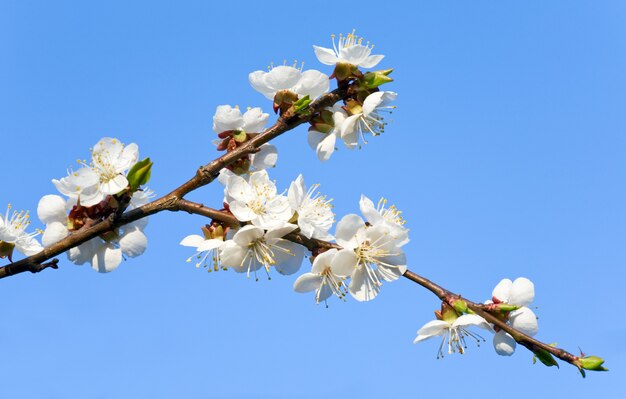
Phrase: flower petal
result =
(522, 292)
(265, 158)
(362, 287)
(503, 343)
(133, 243)
(312, 83)
(372, 61)
(193, 240)
(344, 263)
(325, 55)
(106, 259)
(51, 208)
(323, 260)
(347, 229)
(247, 234)
(55, 232)
(524, 320)
(307, 282)
(227, 118)
(431, 329)
(502, 291)
(254, 120)
(289, 259)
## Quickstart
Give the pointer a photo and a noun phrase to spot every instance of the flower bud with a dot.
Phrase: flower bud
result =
(345, 71)
(6, 250)
(592, 363)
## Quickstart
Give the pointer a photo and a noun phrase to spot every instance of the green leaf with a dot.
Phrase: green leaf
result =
(139, 174)
(544, 357)
(300, 105)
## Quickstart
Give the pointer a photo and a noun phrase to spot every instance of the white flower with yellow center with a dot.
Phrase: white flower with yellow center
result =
(349, 49)
(257, 201)
(105, 175)
(324, 143)
(207, 247)
(373, 253)
(252, 249)
(310, 83)
(13, 234)
(326, 277)
(454, 331)
(368, 119)
(314, 212)
(390, 217)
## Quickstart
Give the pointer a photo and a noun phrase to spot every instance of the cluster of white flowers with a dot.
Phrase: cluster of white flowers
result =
(454, 328)
(88, 190)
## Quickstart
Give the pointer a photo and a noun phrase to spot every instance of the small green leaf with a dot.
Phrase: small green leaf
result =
(300, 105)
(592, 363)
(372, 80)
(544, 357)
(139, 174)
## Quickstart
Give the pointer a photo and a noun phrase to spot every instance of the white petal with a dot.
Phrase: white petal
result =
(431, 329)
(312, 83)
(314, 138)
(325, 55)
(355, 54)
(524, 320)
(28, 245)
(296, 193)
(378, 99)
(522, 292)
(247, 234)
(106, 259)
(307, 282)
(348, 132)
(233, 255)
(128, 157)
(241, 211)
(503, 343)
(362, 287)
(369, 211)
(290, 261)
(326, 147)
(502, 290)
(344, 263)
(279, 231)
(193, 240)
(471, 320)
(227, 118)
(265, 158)
(282, 77)
(84, 252)
(211, 244)
(257, 80)
(347, 229)
(390, 273)
(133, 243)
(55, 232)
(322, 261)
(115, 185)
(372, 61)
(51, 208)
(254, 120)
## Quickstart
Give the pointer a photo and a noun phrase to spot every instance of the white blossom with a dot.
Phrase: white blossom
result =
(253, 248)
(324, 143)
(207, 250)
(349, 49)
(310, 83)
(373, 253)
(104, 175)
(326, 277)
(315, 216)
(520, 292)
(453, 332)
(390, 217)
(257, 201)
(368, 119)
(13, 234)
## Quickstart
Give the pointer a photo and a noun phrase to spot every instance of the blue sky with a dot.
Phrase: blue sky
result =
(506, 154)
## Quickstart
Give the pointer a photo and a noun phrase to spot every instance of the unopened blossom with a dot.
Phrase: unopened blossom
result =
(453, 332)
(104, 175)
(207, 246)
(257, 201)
(324, 143)
(520, 292)
(314, 212)
(103, 253)
(326, 277)
(13, 234)
(252, 248)
(349, 49)
(390, 217)
(310, 83)
(368, 118)
(374, 254)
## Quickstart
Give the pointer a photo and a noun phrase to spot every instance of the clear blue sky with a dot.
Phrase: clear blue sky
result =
(506, 153)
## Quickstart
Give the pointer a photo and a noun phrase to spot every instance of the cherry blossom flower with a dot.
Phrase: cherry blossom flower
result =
(367, 118)
(105, 175)
(313, 211)
(207, 247)
(452, 331)
(520, 292)
(253, 248)
(13, 234)
(326, 277)
(324, 143)
(350, 50)
(257, 201)
(374, 254)
(310, 83)
(390, 217)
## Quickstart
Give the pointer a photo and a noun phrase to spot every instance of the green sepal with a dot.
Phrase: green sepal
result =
(301, 105)
(240, 136)
(139, 174)
(544, 357)
(371, 80)
(460, 306)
